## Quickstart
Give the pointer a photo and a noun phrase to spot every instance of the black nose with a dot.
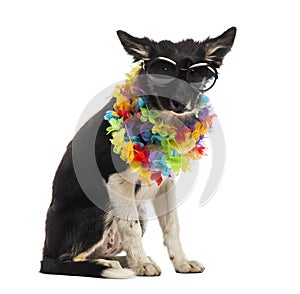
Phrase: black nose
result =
(177, 106)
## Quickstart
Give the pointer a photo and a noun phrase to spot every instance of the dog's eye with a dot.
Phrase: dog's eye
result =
(163, 67)
(202, 77)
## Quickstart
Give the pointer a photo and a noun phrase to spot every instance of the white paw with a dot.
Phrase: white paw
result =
(147, 269)
(188, 266)
(112, 273)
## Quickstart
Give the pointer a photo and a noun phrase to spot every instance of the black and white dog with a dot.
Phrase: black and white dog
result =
(83, 239)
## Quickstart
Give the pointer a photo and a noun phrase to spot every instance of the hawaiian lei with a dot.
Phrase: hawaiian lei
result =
(135, 128)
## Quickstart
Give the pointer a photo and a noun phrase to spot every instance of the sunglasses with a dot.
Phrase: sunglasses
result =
(162, 71)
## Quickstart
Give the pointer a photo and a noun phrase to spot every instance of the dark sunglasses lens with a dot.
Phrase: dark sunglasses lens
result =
(162, 71)
(202, 77)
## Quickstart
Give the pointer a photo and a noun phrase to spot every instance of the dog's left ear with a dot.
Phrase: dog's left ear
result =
(139, 48)
(217, 48)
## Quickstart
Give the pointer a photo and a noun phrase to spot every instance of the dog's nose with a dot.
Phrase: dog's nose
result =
(177, 105)
(186, 95)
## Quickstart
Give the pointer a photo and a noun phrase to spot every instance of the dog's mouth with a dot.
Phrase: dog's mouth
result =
(172, 110)
(177, 119)
(179, 97)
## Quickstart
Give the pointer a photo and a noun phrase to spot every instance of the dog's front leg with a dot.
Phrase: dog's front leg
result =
(122, 198)
(165, 207)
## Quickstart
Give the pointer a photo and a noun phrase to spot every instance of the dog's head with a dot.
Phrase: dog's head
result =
(183, 69)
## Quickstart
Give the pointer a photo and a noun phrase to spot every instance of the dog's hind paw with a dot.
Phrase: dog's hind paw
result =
(186, 266)
(116, 273)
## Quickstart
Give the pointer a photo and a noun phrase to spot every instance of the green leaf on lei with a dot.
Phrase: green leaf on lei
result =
(115, 125)
(150, 115)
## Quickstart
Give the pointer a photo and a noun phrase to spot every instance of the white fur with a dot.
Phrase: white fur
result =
(170, 228)
(121, 188)
(122, 196)
(140, 50)
(211, 50)
(112, 273)
(109, 263)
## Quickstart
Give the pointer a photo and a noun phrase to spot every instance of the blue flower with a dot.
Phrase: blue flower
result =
(140, 103)
(204, 99)
(137, 139)
(109, 115)
(146, 135)
(155, 138)
(157, 163)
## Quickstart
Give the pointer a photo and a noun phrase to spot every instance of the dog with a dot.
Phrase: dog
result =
(82, 238)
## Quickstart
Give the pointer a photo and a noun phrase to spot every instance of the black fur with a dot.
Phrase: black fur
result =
(74, 223)
(82, 268)
(185, 53)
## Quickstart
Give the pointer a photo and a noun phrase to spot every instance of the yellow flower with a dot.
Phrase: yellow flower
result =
(145, 175)
(200, 129)
(118, 140)
(133, 73)
(117, 94)
(187, 144)
(135, 166)
(185, 162)
(127, 152)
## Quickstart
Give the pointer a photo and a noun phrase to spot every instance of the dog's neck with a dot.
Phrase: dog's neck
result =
(155, 143)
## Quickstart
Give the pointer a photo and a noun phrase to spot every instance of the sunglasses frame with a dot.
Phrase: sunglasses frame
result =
(187, 70)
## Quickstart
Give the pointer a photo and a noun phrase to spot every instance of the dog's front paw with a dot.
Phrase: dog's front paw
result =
(186, 266)
(147, 269)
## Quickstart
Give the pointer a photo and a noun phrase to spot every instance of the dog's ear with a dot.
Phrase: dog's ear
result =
(217, 48)
(139, 48)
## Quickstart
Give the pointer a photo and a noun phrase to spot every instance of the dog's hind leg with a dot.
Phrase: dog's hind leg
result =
(86, 268)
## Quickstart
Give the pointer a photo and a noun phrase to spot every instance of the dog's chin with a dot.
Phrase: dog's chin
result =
(186, 115)
(182, 112)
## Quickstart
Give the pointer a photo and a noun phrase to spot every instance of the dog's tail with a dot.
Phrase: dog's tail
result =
(83, 268)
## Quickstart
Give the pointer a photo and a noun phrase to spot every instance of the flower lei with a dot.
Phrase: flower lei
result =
(136, 130)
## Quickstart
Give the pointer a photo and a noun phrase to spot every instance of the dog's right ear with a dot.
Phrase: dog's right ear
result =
(139, 48)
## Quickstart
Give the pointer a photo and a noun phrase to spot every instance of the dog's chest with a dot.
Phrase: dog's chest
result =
(145, 192)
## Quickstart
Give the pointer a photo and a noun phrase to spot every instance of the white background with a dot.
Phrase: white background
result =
(57, 55)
